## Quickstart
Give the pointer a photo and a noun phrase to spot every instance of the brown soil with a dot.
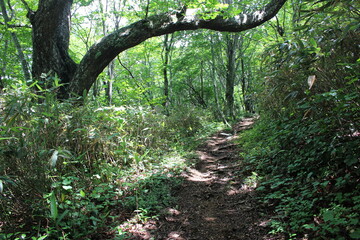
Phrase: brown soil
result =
(215, 202)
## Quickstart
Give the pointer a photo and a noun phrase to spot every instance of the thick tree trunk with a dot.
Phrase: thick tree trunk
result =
(51, 33)
(51, 38)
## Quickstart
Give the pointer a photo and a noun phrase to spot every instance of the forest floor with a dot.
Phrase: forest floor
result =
(216, 201)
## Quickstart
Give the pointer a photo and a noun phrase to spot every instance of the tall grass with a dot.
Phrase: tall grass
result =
(67, 170)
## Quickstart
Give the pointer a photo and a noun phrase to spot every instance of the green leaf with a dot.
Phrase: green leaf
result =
(313, 42)
(349, 161)
(62, 216)
(82, 193)
(354, 221)
(53, 206)
(328, 215)
(309, 226)
(355, 234)
(39, 238)
(7, 138)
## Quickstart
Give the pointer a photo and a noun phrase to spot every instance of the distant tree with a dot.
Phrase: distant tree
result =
(166, 58)
(19, 49)
(232, 44)
(51, 34)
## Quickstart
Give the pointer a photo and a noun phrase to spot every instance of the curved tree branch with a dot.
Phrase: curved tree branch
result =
(103, 52)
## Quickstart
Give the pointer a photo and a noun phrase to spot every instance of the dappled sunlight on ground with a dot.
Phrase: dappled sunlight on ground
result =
(197, 176)
(214, 202)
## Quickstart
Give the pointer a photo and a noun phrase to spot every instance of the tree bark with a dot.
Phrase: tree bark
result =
(51, 38)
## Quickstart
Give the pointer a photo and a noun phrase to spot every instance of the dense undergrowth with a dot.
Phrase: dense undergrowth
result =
(70, 171)
(307, 143)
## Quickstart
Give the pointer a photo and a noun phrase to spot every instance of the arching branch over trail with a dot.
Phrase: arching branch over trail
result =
(82, 76)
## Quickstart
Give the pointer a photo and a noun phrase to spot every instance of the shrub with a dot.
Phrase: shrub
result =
(310, 156)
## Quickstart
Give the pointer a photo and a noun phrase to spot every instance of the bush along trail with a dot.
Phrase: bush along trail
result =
(216, 201)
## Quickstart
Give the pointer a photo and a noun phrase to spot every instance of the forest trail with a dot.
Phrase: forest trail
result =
(214, 202)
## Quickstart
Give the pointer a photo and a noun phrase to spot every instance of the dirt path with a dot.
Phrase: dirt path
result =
(214, 202)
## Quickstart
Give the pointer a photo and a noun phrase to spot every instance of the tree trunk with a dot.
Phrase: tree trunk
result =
(166, 58)
(50, 36)
(245, 85)
(51, 23)
(110, 71)
(109, 82)
(231, 45)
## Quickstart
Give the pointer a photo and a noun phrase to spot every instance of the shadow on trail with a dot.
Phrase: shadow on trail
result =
(214, 202)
